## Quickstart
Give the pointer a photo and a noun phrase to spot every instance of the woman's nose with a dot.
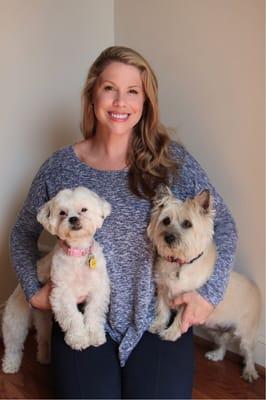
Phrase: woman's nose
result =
(119, 99)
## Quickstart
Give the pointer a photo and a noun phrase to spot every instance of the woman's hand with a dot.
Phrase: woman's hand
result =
(196, 309)
(41, 299)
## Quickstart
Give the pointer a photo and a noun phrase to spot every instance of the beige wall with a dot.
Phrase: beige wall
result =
(46, 47)
(209, 58)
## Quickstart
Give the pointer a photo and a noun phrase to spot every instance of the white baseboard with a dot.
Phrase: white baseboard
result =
(1, 313)
(2, 306)
(259, 351)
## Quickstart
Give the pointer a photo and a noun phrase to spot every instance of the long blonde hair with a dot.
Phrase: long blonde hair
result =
(148, 155)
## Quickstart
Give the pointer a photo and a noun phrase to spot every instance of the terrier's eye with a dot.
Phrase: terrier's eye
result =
(84, 209)
(62, 213)
(166, 221)
(186, 224)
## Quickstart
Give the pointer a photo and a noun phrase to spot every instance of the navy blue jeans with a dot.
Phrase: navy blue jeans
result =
(156, 369)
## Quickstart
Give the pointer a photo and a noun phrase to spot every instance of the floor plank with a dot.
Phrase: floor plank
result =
(212, 380)
(221, 380)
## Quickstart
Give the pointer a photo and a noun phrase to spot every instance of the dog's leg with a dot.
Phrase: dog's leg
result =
(43, 324)
(69, 318)
(15, 326)
(94, 318)
(219, 353)
(174, 331)
(249, 371)
(162, 318)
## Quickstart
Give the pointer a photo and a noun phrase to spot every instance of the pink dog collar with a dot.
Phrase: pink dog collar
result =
(75, 251)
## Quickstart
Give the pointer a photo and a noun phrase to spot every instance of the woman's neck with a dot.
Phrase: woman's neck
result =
(103, 151)
(110, 146)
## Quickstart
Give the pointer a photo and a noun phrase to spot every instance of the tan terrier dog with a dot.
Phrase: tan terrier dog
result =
(182, 234)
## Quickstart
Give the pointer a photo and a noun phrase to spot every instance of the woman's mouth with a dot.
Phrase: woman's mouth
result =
(118, 117)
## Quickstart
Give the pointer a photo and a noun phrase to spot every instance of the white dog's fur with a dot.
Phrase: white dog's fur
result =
(183, 232)
(74, 216)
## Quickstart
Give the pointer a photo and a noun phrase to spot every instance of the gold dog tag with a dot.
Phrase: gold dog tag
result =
(91, 261)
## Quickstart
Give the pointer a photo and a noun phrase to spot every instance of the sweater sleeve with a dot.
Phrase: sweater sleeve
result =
(225, 233)
(25, 234)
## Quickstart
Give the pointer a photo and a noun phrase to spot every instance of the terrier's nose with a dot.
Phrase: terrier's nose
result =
(169, 238)
(73, 220)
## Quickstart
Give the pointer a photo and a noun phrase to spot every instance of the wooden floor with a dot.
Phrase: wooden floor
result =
(212, 381)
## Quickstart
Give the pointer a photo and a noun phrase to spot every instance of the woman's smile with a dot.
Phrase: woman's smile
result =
(118, 117)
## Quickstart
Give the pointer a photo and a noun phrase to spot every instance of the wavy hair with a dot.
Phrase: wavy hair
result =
(148, 155)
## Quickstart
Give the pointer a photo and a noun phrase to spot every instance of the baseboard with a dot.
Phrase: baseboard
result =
(2, 306)
(259, 351)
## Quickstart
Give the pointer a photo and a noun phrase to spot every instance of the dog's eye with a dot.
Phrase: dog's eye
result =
(62, 213)
(186, 224)
(166, 221)
(84, 209)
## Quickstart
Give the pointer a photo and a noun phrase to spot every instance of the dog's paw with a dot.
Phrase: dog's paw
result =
(215, 355)
(171, 334)
(156, 327)
(77, 341)
(97, 338)
(250, 374)
(11, 365)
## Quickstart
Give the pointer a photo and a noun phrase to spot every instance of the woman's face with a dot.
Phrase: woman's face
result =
(118, 99)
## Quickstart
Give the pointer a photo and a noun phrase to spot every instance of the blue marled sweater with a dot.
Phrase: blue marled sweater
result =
(123, 237)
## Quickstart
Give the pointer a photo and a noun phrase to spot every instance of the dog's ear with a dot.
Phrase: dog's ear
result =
(106, 209)
(104, 212)
(44, 217)
(161, 192)
(204, 199)
(149, 230)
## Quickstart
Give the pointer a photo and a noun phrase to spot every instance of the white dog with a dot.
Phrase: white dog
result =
(182, 233)
(77, 269)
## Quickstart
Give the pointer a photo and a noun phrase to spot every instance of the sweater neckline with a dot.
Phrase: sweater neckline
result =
(96, 170)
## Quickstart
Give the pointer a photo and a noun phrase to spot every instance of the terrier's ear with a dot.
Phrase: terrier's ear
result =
(161, 191)
(149, 230)
(44, 217)
(204, 199)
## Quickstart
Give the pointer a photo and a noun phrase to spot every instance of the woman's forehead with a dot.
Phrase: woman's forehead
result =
(119, 72)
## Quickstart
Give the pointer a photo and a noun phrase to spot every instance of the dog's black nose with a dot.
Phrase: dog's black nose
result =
(169, 238)
(73, 220)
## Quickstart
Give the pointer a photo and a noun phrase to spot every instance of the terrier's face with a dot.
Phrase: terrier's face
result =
(181, 229)
(74, 214)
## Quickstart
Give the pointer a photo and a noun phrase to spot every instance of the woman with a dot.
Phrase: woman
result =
(125, 153)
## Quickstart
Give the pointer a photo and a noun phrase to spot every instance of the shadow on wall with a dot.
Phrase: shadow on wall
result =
(58, 130)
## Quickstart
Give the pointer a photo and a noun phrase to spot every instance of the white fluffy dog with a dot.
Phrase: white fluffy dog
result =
(77, 269)
(182, 233)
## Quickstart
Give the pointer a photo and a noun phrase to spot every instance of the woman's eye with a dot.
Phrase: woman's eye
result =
(166, 221)
(84, 209)
(133, 91)
(186, 224)
(62, 213)
(108, 88)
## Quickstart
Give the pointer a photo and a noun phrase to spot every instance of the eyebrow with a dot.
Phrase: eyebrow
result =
(131, 86)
